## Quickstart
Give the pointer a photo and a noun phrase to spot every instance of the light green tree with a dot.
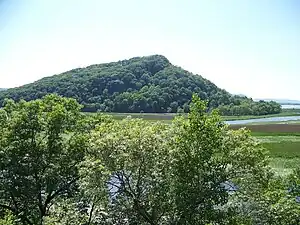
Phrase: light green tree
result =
(129, 171)
(210, 162)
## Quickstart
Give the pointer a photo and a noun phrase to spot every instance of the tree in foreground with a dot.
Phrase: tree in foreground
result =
(210, 163)
(128, 172)
(40, 148)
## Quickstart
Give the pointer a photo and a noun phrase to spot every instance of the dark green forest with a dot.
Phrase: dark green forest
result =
(143, 84)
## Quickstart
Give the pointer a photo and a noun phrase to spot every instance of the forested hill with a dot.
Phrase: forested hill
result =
(141, 84)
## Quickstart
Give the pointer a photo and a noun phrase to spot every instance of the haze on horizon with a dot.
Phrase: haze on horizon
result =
(248, 47)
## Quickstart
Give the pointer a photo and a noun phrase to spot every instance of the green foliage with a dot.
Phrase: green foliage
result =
(39, 151)
(275, 204)
(210, 160)
(7, 218)
(152, 173)
(141, 84)
(132, 157)
(58, 166)
(247, 107)
(198, 167)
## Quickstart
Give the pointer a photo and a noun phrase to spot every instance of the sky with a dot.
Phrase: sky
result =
(249, 47)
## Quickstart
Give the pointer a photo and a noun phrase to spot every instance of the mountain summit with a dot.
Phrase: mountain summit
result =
(140, 84)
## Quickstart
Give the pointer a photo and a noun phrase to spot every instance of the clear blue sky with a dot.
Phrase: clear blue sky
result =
(250, 47)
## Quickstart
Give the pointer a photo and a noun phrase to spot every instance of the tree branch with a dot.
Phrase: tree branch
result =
(51, 196)
(91, 213)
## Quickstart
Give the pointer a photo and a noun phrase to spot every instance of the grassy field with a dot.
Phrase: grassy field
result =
(285, 155)
(281, 140)
(283, 145)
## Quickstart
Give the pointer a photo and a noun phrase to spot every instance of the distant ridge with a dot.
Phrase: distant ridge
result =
(281, 101)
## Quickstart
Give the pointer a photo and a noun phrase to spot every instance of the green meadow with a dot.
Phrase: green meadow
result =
(284, 150)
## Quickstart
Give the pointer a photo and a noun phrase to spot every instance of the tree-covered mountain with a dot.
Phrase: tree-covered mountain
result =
(140, 84)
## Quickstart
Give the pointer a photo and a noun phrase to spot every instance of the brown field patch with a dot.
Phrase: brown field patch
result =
(281, 128)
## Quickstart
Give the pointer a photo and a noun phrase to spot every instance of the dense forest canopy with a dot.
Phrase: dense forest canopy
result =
(141, 84)
(59, 166)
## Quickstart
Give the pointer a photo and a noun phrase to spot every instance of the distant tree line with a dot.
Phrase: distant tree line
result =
(142, 84)
(250, 108)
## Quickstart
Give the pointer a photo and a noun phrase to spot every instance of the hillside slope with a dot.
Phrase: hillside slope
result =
(140, 84)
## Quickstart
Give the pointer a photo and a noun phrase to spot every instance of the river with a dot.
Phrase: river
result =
(264, 120)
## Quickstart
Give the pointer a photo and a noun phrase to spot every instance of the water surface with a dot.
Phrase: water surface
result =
(264, 120)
